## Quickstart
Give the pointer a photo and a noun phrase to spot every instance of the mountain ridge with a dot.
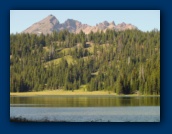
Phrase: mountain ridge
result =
(51, 23)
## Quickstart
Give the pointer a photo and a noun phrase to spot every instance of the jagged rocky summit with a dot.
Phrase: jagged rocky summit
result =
(50, 24)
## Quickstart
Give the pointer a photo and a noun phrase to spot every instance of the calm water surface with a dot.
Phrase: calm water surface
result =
(86, 108)
(84, 101)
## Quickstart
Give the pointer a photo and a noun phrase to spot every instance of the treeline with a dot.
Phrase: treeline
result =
(124, 62)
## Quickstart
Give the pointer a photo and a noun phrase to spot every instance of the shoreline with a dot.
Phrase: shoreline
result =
(71, 93)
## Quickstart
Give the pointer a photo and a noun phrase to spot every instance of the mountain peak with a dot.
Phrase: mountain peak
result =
(112, 23)
(51, 15)
(50, 24)
(123, 24)
(45, 26)
(52, 19)
(106, 23)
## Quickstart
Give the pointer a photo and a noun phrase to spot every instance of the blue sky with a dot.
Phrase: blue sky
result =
(145, 20)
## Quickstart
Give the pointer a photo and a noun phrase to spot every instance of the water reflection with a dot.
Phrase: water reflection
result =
(83, 101)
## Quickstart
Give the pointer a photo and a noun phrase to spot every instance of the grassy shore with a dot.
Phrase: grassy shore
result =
(75, 92)
(61, 92)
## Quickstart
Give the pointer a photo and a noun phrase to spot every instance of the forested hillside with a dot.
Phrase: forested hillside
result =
(123, 62)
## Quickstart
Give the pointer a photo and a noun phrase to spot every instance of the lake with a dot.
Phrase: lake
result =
(104, 108)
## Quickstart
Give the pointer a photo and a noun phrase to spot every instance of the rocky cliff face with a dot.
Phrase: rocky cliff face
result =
(50, 24)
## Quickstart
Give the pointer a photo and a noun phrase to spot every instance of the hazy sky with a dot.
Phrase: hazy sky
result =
(144, 20)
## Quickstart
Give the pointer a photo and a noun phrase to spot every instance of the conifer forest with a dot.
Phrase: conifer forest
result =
(124, 62)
